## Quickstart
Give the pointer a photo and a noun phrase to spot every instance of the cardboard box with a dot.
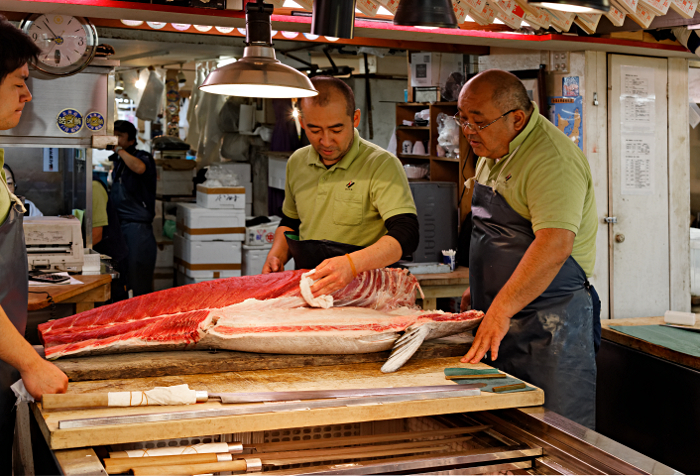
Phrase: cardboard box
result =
(223, 197)
(164, 255)
(433, 69)
(263, 234)
(210, 224)
(207, 255)
(173, 182)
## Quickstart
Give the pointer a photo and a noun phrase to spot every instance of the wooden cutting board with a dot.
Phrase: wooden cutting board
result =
(417, 372)
(158, 364)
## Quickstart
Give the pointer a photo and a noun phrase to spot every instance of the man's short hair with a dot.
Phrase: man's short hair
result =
(510, 93)
(16, 48)
(326, 86)
(127, 128)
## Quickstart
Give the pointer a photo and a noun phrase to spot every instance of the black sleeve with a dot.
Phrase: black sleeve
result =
(404, 229)
(290, 222)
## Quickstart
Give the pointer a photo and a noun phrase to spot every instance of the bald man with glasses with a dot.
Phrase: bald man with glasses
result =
(532, 246)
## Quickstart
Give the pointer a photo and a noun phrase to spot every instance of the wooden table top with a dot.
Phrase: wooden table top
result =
(38, 298)
(644, 346)
(459, 276)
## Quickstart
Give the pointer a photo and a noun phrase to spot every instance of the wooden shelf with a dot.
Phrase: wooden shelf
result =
(410, 156)
(413, 128)
(445, 159)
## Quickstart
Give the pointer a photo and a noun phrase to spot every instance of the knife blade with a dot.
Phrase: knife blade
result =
(256, 397)
(685, 328)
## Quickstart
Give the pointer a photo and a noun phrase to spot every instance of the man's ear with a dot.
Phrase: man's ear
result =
(356, 118)
(519, 120)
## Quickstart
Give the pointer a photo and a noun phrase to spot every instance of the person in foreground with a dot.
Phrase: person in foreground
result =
(18, 357)
(347, 207)
(532, 246)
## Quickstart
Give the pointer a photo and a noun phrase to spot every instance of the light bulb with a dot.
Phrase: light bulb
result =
(140, 84)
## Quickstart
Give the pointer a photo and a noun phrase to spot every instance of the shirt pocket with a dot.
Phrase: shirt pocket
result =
(347, 210)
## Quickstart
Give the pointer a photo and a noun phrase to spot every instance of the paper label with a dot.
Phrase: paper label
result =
(391, 5)
(637, 167)
(629, 5)
(658, 7)
(642, 16)
(461, 10)
(51, 160)
(368, 7)
(686, 8)
(543, 18)
(616, 16)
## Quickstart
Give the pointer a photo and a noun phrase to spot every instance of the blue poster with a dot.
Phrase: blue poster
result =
(567, 114)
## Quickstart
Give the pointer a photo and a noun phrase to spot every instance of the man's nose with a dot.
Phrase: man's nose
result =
(26, 95)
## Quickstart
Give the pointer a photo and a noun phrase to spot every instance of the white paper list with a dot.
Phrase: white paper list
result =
(637, 167)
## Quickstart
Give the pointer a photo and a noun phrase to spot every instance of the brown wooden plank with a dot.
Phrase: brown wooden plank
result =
(38, 299)
(159, 364)
(421, 372)
(458, 276)
(644, 346)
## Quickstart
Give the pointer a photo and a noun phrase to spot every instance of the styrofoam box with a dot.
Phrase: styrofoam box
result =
(210, 224)
(164, 255)
(182, 279)
(276, 173)
(695, 262)
(173, 182)
(209, 273)
(225, 197)
(207, 252)
(241, 169)
(263, 234)
(254, 259)
(248, 209)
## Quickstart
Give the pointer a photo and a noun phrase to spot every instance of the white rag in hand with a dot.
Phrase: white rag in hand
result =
(305, 284)
(21, 392)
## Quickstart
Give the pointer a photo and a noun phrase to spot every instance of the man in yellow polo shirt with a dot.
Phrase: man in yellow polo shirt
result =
(532, 246)
(347, 200)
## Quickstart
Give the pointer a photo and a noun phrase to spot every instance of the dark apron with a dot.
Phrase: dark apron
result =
(550, 342)
(308, 254)
(13, 299)
(129, 208)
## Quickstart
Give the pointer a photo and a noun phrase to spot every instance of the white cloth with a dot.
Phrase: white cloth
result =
(176, 395)
(305, 284)
(21, 392)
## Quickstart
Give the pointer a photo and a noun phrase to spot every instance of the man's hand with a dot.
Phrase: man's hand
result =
(489, 336)
(331, 275)
(272, 265)
(466, 300)
(44, 377)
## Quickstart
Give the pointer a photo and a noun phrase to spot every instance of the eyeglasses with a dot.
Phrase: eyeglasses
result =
(474, 128)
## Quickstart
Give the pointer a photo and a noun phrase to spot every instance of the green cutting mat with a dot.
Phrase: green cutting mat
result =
(679, 340)
(490, 382)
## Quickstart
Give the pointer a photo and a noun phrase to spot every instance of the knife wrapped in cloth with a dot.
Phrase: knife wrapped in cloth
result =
(265, 313)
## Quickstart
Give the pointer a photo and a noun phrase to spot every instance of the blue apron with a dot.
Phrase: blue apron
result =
(550, 342)
(13, 299)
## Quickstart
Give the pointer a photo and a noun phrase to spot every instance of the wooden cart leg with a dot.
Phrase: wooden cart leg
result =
(22, 458)
(83, 306)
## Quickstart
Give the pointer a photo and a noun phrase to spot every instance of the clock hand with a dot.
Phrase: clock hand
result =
(55, 36)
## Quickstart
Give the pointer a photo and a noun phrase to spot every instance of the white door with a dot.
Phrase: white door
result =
(638, 161)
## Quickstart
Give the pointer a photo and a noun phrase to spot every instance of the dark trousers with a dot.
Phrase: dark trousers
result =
(8, 376)
(141, 260)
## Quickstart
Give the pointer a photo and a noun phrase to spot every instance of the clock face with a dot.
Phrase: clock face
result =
(67, 43)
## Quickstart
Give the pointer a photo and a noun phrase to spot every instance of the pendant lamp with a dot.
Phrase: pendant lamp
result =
(426, 14)
(575, 6)
(258, 74)
(334, 18)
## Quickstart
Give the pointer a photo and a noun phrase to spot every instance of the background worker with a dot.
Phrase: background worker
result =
(343, 195)
(32, 210)
(534, 215)
(133, 195)
(17, 357)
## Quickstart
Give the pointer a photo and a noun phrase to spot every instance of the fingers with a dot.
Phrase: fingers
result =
(495, 344)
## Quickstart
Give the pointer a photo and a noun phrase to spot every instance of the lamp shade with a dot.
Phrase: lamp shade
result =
(575, 6)
(335, 18)
(426, 13)
(259, 74)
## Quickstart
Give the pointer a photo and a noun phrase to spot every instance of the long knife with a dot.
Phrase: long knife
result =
(458, 391)
(685, 328)
(95, 400)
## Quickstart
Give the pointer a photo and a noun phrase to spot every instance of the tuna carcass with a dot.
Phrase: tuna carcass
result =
(264, 313)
